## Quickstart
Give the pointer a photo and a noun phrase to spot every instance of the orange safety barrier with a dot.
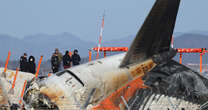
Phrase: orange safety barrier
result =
(7, 61)
(113, 101)
(124, 49)
(70, 53)
(180, 58)
(104, 54)
(22, 93)
(38, 69)
(179, 50)
(97, 57)
(49, 74)
(201, 54)
(15, 77)
(202, 51)
(90, 55)
(190, 50)
(112, 49)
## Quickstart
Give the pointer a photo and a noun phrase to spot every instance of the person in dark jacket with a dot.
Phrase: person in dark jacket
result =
(60, 56)
(67, 60)
(76, 58)
(55, 64)
(23, 63)
(31, 65)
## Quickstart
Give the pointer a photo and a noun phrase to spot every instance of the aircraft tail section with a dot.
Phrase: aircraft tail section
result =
(155, 34)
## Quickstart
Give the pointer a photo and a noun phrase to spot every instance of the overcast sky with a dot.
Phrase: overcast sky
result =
(83, 17)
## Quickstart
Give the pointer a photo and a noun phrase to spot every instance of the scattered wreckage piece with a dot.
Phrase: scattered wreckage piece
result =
(12, 100)
(175, 83)
(146, 99)
(4, 101)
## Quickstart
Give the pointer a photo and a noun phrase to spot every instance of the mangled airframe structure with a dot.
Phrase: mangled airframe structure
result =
(147, 69)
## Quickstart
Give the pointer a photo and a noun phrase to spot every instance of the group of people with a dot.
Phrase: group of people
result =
(28, 65)
(68, 60)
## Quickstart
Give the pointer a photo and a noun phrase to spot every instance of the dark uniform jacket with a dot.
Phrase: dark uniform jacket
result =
(76, 59)
(67, 60)
(31, 65)
(23, 64)
(55, 61)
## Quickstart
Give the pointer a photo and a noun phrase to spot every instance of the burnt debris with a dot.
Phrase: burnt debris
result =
(173, 81)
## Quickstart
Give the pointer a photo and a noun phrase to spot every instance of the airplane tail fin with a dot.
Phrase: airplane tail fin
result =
(155, 34)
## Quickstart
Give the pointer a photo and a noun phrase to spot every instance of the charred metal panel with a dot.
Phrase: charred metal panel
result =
(146, 99)
(174, 79)
(172, 83)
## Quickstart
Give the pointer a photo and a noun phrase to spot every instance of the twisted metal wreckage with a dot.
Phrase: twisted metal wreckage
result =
(144, 78)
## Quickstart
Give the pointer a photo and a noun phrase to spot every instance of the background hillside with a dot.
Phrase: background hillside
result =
(44, 44)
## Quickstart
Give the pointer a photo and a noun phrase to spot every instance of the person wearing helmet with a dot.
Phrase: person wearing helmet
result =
(76, 58)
